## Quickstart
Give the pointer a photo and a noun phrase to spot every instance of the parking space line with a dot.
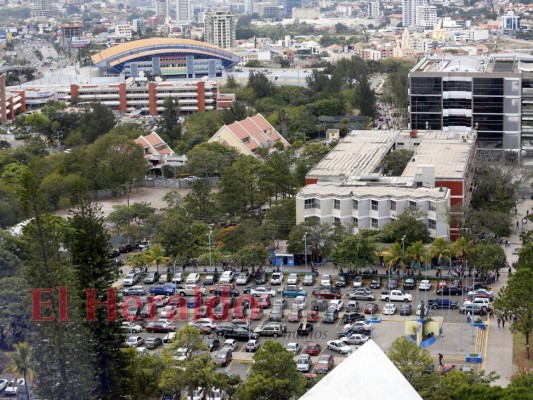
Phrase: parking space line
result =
(229, 366)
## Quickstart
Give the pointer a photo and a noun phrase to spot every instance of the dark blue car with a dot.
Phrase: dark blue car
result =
(167, 289)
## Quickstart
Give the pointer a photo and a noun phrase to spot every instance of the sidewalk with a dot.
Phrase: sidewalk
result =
(500, 341)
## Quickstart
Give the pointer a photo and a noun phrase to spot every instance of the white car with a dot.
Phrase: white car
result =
(216, 394)
(261, 290)
(11, 389)
(294, 348)
(364, 324)
(191, 179)
(339, 346)
(231, 344)
(178, 277)
(299, 302)
(131, 279)
(355, 338)
(276, 278)
(207, 322)
(357, 281)
(134, 341)
(424, 285)
(197, 394)
(292, 279)
(336, 304)
(128, 327)
(242, 279)
(325, 280)
(169, 337)
(3, 384)
(389, 309)
(226, 277)
(182, 354)
(192, 278)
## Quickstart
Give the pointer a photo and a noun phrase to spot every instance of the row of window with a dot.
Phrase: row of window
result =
(374, 222)
(374, 204)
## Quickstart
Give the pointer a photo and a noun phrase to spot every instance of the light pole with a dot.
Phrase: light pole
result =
(403, 246)
(209, 236)
(305, 251)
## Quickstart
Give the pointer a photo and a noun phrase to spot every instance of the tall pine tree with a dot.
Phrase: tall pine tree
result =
(61, 357)
(88, 248)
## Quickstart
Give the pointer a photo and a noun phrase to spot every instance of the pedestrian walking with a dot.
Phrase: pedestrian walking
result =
(517, 224)
(503, 323)
(468, 317)
(441, 332)
(499, 322)
(440, 358)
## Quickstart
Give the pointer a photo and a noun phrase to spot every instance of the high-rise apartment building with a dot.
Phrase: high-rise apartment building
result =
(161, 8)
(510, 22)
(426, 16)
(249, 7)
(492, 95)
(288, 5)
(220, 29)
(373, 9)
(409, 11)
(183, 11)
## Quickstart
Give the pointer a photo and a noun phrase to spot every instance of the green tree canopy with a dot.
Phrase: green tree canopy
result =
(395, 162)
(252, 256)
(356, 251)
(96, 121)
(409, 225)
(409, 358)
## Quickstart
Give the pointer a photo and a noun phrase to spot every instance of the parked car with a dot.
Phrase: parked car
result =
(152, 343)
(231, 344)
(295, 314)
(243, 278)
(339, 346)
(424, 284)
(165, 289)
(264, 301)
(240, 334)
(276, 314)
(313, 349)
(280, 303)
(292, 279)
(330, 317)
(442, 302)
(304, 329)
(299, 302)
(271, 329)
(224, 357)
(361, 294)
(136, 290)
(293, 291)
(177, 278)
(227, 277)
(212, 344)
(131, 327)
(160, 300)
(325, 280)
(263, 290)
(451, 290)
(324, 364)
(134, 341)
(252, 346)
(352, 306)
(371, 308)
(406, 309)
(336, 304)
(328, 294)
(408, 284)
(341, 280)
(355, 338)
(376, 283)
(294, 348)
(151, 277)
(131, 279)
(392, 284)
(352, 316)
(357, 281)
(389, 309)
(319, 305)
(276, 278)
(161, 326)
(210, 279)
(304, 363)
(309, 279)
(312, 316)
(192, 278)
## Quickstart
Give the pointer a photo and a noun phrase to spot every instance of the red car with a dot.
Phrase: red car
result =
(327, 294)
(256, 314)
(313, 349)
(371, 308)
(312, 316)
(161, 326)
(264, 301)
(324, 364)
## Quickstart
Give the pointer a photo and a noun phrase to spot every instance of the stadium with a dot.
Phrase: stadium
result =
(168, 57)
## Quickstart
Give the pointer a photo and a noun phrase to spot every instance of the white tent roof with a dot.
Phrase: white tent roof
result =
(367, 372)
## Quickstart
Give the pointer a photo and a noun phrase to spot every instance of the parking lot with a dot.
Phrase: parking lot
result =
(457, 338)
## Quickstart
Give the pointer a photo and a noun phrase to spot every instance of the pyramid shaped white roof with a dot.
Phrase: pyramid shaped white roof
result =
(366, 374)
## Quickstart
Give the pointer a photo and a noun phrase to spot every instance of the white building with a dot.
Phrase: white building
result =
(373, 9)
(183, 12)
(220, 29)
(124, 30)
(347, 185)
(306, 13)
(409, 11)
(510, 22)
(426, 16)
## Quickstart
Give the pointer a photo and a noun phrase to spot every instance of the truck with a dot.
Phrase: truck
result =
(396, 295)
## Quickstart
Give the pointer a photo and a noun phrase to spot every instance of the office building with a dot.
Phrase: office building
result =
(373, 9)
(426, 16)
(161, 8)
(249, 7)
(409, 11)
(220, 29)
(288, 5)
(510, 23)
(183, 12)
(493, 95)
(268, 10)
(347, 186)
(139, 26)
(124, 30)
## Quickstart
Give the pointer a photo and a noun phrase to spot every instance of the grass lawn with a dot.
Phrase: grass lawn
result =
(520, 353)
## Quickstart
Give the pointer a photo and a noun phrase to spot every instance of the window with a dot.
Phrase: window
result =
(375, 223)
(336, 220)
(355, 204)
(311, 203)
(312, 220)
(432, 206)
(432, 224)
(393, 205)
(336, 204)
(412, 205)
(375, 205)
(355, 222)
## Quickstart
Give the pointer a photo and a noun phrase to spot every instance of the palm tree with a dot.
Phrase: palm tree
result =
(155, 255)
(20, 364)
(136, 260)
(395, 255)
(417, 251)
(463, 248)
(440, 248)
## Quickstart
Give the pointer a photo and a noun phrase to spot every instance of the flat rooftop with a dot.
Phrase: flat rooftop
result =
(359, 153)
(449, 152)
(505, 63)
(332, 190)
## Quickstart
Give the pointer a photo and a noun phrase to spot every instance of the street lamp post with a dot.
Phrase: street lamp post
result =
(305, 251)
(209, 236)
